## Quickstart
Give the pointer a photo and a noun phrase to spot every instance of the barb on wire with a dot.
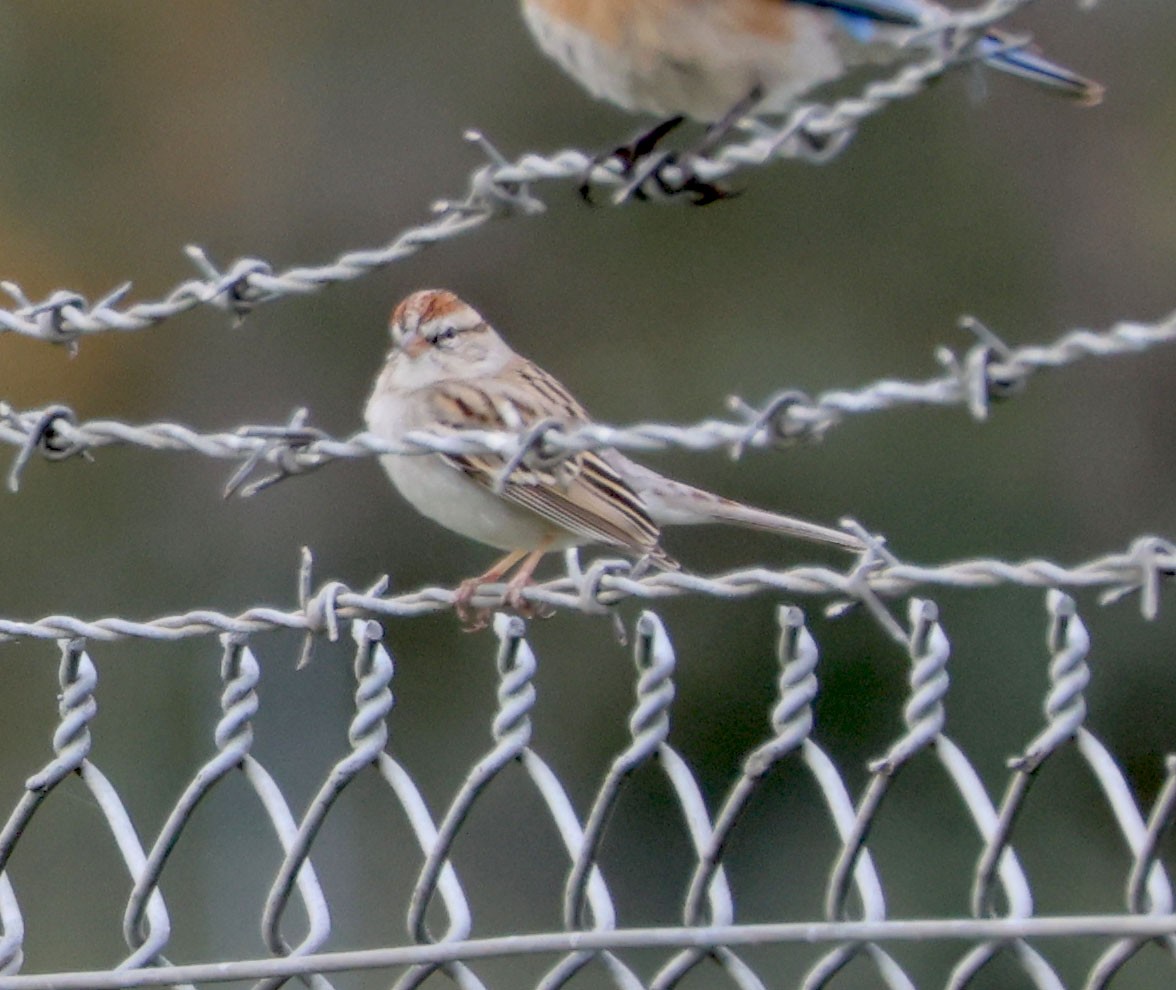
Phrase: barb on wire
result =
(282, 446)
(855, 927)
(1146, 564)
(813, 133)
(989, 370)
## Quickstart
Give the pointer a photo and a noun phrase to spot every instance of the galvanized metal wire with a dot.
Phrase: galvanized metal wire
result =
(990, 370)
(855, 922)
(854, 926)
(813, 133)
(1142, 569)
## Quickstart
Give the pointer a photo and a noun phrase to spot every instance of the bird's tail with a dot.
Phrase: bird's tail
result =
(672, 502)
(722, 510)
(1002, 52)
(706, 507)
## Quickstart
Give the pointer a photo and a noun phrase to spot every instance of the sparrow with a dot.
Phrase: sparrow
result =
(449, 370)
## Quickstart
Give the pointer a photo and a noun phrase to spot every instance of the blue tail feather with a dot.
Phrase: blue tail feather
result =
(866, 20)
(1004, 53)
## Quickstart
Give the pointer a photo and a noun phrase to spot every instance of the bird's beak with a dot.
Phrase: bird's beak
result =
(414, 345)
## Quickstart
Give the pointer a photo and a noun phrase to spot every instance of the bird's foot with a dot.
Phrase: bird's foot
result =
(474, 619)
(667, 175)
(628, 155)
(471, 619)
(527, 609)
(672, 173)
(651, 174)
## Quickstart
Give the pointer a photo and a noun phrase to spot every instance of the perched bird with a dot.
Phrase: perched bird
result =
(449, 370)
(721, 59)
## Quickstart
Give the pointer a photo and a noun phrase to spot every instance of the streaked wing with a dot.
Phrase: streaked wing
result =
(582, 493)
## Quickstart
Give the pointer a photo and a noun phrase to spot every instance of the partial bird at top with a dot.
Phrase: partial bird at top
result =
(718, 61)
(704, 58)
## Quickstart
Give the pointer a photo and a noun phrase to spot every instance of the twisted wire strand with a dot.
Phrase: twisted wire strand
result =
(1069, 675)
(989, 370)
(1150, 907)
(77, 706)
(498, 188)
(516, 688)
(792, 724)
(511, 731)
(1117, 574)
(998, 858)
(923, 713)
(373, 670)
(923, 717)
(1064, 709)
(649, 727)
(233, 737)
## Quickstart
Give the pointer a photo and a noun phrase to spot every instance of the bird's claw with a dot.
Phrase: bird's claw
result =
(471, 619)
(475, 619)
(641, 164)
(527, 609)
(672, 175)
(629, 155)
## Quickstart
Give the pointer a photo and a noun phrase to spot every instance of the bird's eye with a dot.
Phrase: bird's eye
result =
(447, 333)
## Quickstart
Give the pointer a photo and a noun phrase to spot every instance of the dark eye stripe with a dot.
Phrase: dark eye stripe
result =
(449, 331)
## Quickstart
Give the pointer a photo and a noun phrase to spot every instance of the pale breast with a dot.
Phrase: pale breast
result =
(696, 57)
(445, 495)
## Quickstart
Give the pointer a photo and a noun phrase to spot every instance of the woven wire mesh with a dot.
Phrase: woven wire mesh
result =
(444, 918)
(906, 858)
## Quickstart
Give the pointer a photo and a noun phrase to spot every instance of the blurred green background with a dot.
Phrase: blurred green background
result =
(297, 131)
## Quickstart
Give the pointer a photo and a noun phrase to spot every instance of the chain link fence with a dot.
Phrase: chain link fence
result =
(585, 879)
(855, 925)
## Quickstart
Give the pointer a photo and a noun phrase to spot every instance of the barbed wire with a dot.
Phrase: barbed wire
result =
(1141, 569)
(813, 133)
(708, 934)
(989, 371)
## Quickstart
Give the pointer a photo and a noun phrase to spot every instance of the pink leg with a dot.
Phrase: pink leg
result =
(514, 590)
(465, 591)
